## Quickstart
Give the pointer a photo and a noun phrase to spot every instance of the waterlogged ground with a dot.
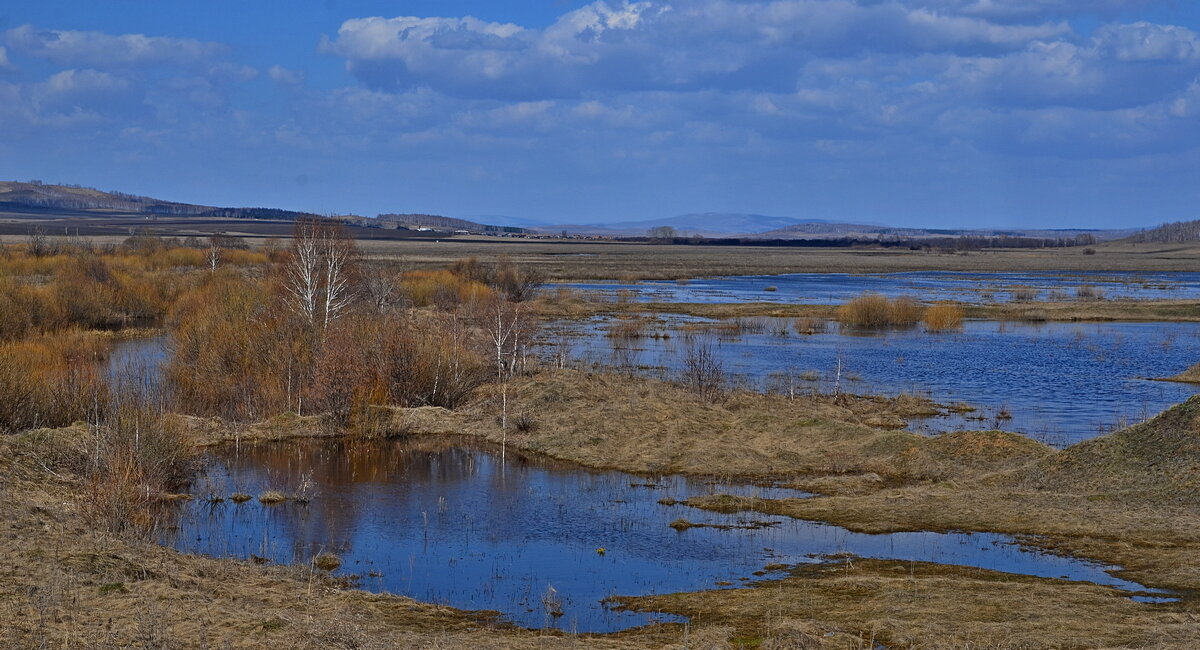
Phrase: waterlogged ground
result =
(1058, 382)
(835, 288)
(528, 538)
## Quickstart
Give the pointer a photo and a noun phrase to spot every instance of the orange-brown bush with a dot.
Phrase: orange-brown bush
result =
(443, 288)
(51, 380)
(84, 289)
(872, 310)
(942, 317)
(369, 360)
(240, 352)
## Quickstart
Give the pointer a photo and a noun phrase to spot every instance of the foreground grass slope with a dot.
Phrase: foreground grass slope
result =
(67, 584)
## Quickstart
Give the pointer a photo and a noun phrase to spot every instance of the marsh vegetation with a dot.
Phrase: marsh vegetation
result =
(141, 381)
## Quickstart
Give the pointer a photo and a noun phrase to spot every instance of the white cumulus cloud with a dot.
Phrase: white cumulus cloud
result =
(103, 51)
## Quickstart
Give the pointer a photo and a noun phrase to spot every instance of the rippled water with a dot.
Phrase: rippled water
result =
(454, 525)
(1060, 382)
(830, 288)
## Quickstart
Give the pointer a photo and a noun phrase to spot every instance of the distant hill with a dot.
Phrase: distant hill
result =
(758, 226)
(1169, 233)
(867, 231)
(446, 224)
(504, 220)
(709, 224)
(35, 197)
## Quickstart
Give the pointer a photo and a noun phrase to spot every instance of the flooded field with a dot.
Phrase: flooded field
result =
(544, 543)
(832, 288)
(1058, 382)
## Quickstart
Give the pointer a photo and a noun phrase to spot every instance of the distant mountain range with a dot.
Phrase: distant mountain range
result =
(35, 200)
(758, 226)
(708, 224)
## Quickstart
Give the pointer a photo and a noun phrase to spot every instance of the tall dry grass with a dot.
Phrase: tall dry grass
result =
(51, 380)
(943, 317)
(443, 288)
(241, 353)
(85, 289)
(873, 311)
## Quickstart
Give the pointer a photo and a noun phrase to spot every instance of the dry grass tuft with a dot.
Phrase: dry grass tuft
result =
(943, 317)
(874, 311)
(272, 497)
(327, 562)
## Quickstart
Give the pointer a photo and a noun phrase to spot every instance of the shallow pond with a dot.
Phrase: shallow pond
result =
(138, 362)
(1059, 382)
(454, 525)
(833, 288)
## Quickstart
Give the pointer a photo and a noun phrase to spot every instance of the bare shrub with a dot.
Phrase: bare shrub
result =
(138, 455)
(516, 284)
(1088, 292)
(51, 381)
(703, 371)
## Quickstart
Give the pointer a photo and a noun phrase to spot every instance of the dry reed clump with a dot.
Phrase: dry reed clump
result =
(1024, 294)
(942, 317)
(443, 288)
(873, 311)
(137, 455)
(468, 281)
(808, 326)
(327, 562)
(272, 498)
(52, 380)
(630, 329)
(1088, 292)
(83, 288)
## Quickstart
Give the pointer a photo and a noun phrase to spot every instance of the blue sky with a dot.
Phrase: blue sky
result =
(1049, 113)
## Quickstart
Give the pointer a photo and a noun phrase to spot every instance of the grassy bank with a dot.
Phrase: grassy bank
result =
(644, 425)
(919, 605)
(575, 306)
(1128, 499)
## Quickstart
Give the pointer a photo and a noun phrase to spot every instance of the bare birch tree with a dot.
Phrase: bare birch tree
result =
(213, 256)
(509, 328)
(303, 270)
(320, 272)
(337, 255)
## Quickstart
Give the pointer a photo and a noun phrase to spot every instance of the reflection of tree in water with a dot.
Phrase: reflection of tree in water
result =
(342, 474)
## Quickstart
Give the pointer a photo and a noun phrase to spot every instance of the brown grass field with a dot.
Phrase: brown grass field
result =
(601, 260)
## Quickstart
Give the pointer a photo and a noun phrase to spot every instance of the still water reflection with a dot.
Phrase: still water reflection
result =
(455, 525)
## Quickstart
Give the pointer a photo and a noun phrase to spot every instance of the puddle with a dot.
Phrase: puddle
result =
(833, 288)
(1059, 382)
(454, 525)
